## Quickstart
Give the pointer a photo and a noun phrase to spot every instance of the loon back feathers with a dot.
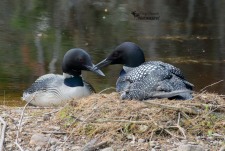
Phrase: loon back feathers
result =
(153, 79)
(53, 81)
(168, 67)
(145, 73)
(45, 82)
(174, 70)
(147, 68)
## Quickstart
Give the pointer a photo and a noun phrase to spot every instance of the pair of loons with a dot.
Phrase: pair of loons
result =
(138, 79)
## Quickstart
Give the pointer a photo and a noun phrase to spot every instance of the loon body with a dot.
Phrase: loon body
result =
(142, 80)
(55, 89)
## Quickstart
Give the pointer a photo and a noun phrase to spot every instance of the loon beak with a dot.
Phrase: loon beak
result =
(103, 63)
(95, 70)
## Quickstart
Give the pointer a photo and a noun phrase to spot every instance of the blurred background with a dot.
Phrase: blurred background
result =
(35, 34)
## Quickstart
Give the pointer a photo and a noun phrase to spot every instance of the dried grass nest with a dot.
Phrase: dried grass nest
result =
(107, 117)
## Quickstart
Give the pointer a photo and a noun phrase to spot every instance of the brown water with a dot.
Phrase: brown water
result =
(34, 35)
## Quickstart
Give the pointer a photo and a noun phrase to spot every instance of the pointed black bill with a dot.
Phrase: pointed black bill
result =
(95, 70)
(103, 63)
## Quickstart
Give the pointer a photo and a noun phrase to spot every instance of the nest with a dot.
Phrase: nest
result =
(107, 117)
(105, 120)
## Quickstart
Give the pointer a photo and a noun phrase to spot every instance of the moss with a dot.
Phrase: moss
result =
(66, 116)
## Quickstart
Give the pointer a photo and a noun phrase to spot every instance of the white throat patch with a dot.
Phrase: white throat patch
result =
(66, 75)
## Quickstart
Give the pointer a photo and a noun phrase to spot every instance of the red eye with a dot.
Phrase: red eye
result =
(81, 60)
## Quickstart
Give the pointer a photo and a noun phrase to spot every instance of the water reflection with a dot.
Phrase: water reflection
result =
(36, 34)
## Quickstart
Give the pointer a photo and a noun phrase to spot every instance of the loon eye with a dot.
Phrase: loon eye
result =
(116, 54)
(81, 60)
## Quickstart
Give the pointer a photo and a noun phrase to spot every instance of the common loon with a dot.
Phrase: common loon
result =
(55, 89)
(142, 80)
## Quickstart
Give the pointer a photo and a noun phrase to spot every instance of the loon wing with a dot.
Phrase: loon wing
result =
(168, 67)
(170, 94)
(44, 82)
(152, 81)
(174, 70)
(138, 75)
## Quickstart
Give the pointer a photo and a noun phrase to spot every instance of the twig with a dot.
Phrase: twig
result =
(91, 147)
(167, 131)
(40, 107)
(152, 133)
(18, 145)
(121, 121)
(182, 131)
(2, 133)
(111, 98)
(187, 117)
(178, 119)
(179, 109)
(176, 126)
(89, 144)
(210, 112)
(52, 112)
(53, 132)
(203, 106)
(160, 127)
(211, 85)
(19, 126)
(20, 122)
(174, 135)
(106, 89)
(179, 127)
(97, 146)
(199, 94)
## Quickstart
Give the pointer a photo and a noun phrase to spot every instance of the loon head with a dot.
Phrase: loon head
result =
(127, 53)
(76, 60)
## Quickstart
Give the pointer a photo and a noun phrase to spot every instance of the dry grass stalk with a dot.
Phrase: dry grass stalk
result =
(20, 127)
(98, 146)
(210, 85)
(179, 109)
(110, 88)
(121, 121)
(203, 106)
(20, 124)
(2, 128)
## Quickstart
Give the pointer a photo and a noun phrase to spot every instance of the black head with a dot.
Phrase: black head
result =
(127, 53)
(76, 60)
